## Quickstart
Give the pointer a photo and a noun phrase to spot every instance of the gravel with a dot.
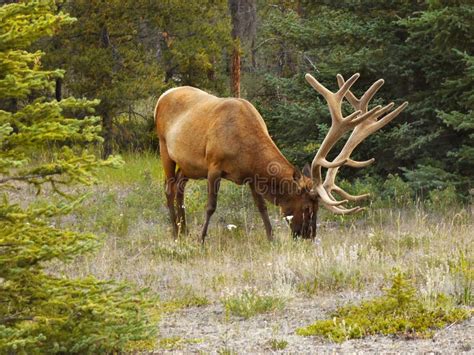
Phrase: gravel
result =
(209, 330)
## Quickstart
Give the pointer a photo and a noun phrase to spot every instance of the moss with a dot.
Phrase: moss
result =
(400, 311)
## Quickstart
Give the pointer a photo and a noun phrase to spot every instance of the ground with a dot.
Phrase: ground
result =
(207, 329)
(296, 282)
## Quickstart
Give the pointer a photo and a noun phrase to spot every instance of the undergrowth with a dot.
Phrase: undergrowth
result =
(399, 311)
(248, 304)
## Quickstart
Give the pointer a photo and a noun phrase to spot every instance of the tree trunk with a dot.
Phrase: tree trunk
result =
(106, 117)
(58, 91)
(243, 15)
(235, 70)
(107, 133)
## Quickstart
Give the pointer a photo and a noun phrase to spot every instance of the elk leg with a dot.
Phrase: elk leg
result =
(262, 208)
(181, 185)
(314, 221)
(169, 166)
(213, 183)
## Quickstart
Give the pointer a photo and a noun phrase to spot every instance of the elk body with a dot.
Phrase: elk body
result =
(205, 137)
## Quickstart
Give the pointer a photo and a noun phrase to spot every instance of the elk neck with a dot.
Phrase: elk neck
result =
(275, 177)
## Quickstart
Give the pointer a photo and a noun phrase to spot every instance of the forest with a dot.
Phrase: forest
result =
(88, 262)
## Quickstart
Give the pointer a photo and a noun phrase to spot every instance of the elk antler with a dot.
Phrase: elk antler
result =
(361, 131)
(339, 126)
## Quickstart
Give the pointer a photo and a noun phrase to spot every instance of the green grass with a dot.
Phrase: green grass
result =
(135, 168)
(184, 297)
(176, 343)
(399, 311)
(248, 304)
(278, 344)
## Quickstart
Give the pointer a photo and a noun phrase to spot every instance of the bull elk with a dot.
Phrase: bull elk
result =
(203, 136)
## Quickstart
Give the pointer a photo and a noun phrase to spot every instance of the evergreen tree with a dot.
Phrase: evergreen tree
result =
(193, 42)
(423, 50)
(39, 312)
(441, 40)
(106, 59)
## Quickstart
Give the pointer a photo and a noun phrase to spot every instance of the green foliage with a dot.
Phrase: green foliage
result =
(462, 266)
(423, 50)
(249, 304)
(399, 311)
(125, 52)
(277, 344)
(39, 312)
(186, 297)
(444, 199)
(57, 315)
(332, 279)
(194, 39)
(397, 191)
(175, 343)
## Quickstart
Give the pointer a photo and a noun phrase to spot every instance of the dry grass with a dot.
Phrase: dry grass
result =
(349, 255)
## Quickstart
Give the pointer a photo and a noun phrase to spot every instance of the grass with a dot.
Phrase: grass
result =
(184, 297)
(248, 304)
(128, 208)
(136, 166)
(351, 254)
(399, 311)
(175, 343)
(278, 344)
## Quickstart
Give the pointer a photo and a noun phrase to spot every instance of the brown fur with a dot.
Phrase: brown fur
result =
(203, 136)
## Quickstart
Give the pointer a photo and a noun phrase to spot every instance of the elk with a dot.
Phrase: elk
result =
(202, 136)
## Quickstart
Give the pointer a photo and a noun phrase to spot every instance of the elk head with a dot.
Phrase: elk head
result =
(311, 189)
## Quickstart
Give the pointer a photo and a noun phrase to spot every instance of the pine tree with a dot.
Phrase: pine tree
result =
(44, 145)
(106, 59)
(441, 38)
(422, 49)
(125, 51)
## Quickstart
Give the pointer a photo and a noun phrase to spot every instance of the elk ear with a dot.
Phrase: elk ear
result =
(297, 174)
(307, 170)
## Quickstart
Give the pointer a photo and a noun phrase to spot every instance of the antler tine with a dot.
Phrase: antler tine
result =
(361, 131)
(363, 102)
(338, 210)
(339, 126)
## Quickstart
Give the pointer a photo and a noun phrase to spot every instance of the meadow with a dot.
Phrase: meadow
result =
(240, 293)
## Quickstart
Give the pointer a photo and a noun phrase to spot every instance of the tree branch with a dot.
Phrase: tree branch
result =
(26, 177)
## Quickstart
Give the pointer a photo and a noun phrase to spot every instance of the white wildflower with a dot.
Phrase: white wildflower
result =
(231, 226)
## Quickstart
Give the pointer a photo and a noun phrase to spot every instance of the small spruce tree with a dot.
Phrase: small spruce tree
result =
(40, 312)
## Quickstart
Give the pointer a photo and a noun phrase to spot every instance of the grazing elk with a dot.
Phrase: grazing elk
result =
(203, 136)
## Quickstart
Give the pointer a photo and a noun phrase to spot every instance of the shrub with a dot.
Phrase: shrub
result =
(248, 304)
(400, 311)
(442, 199)
(397, 191)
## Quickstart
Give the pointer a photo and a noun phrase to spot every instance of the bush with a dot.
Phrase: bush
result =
(443, 199)
(397, 191)
(400, 311)
(248, 304)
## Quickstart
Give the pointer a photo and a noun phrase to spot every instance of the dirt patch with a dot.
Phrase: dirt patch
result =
(210, 330)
